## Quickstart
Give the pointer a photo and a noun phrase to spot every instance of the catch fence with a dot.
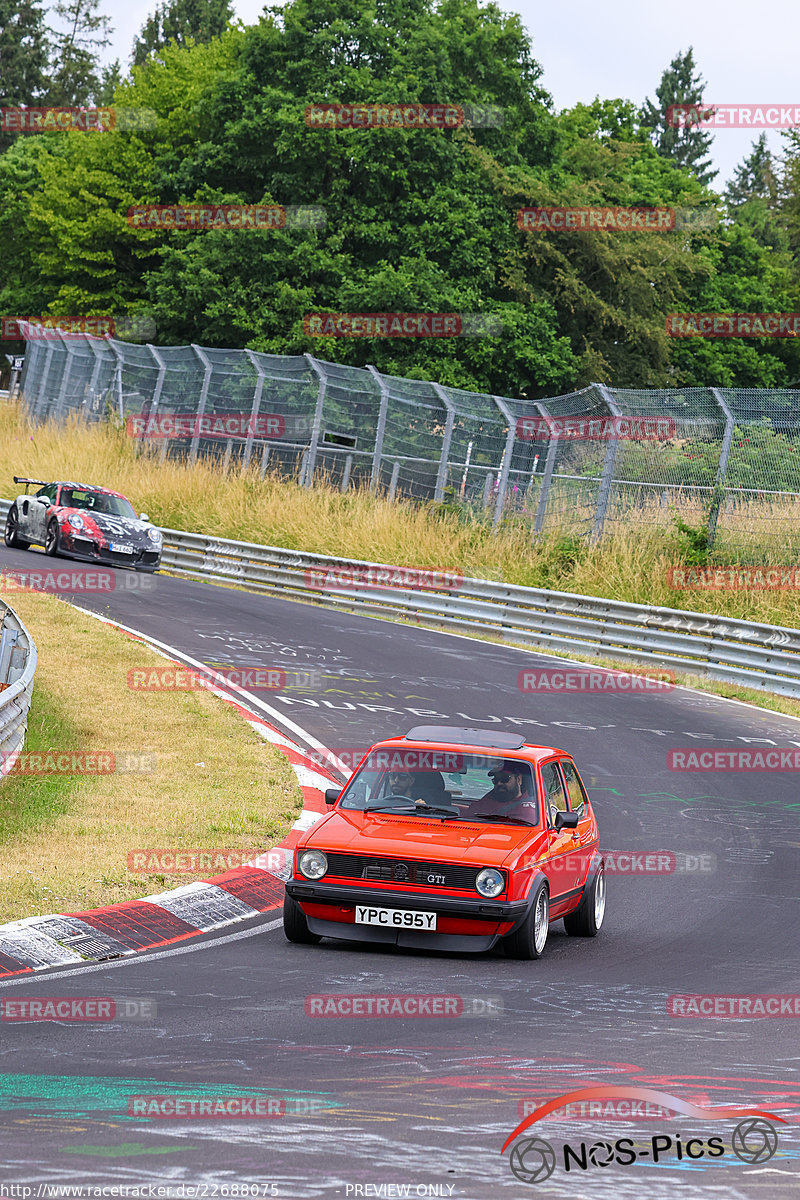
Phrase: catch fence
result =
(592, 461)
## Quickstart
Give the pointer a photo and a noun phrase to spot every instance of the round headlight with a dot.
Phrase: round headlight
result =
(155, 536)
(489, 882)
(313, 864)
(76, 520)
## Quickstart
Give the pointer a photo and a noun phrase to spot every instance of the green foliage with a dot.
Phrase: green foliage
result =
(686, 145)
(693, 542)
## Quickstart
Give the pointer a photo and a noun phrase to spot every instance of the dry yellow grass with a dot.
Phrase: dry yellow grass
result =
(629, 564)
(64, 842)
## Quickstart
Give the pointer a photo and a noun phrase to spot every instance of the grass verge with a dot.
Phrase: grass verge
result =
(213, 783)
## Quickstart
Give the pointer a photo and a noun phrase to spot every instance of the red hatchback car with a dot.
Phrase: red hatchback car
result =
(451, 839)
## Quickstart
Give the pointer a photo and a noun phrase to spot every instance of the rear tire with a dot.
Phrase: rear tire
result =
(51, 539)
(11, 537)
(587, 919)
(295, 925)
(530, 939)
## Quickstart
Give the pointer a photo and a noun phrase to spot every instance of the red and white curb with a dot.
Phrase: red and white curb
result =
(59, 939)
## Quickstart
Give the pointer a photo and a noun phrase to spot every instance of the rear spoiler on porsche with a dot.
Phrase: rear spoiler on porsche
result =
(28, 482)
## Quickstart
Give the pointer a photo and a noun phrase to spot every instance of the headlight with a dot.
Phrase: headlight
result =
(155, 536)
(75, 520)
(489, 882)
(313, 864)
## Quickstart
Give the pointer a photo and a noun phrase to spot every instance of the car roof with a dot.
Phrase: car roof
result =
(88, 487)
(505, 743)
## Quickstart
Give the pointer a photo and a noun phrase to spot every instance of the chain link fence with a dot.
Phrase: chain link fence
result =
(581, 464)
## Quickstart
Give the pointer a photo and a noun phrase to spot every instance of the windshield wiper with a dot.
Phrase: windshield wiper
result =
(511, 820)
(415, 809)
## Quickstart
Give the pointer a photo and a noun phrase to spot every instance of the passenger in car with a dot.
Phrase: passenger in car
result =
(511, 795)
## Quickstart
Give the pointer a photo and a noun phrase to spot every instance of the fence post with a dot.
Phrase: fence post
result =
(505, 463)
(98, 363)
(248, 446)
(604, 494)
(380, 431)
(48, 359)
(117, 375)
(393, 481)
(441, 475)
(201, 407)
(549, 467)
(62, 391)
(310, 458)
(722, 469)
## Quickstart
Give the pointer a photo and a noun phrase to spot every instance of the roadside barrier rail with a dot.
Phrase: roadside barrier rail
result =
(766, 657)
(17, 669)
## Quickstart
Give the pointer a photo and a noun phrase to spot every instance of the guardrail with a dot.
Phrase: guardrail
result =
(755, 655)
(17, 669)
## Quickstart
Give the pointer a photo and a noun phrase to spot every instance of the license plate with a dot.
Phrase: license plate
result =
(395, 918)
(121, 547)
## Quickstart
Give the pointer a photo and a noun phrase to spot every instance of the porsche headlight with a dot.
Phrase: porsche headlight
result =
(313, 864)
(75, 520)
(489, 882)
(155, 536)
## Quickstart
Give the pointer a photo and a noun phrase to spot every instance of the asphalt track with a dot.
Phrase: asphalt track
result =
(426, 1103)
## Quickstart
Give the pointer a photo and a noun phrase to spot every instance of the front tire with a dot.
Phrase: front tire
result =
(587, 919)
(51, 539)
(295, 925)
(530, 939)
(11, 536)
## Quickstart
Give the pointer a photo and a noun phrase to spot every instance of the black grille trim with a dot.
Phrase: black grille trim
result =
(402, 871)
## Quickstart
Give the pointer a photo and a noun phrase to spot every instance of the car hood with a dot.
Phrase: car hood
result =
(108, 523)
(423, 838)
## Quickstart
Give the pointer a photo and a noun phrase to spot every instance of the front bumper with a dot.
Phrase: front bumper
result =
(490, 919)
(144, 558)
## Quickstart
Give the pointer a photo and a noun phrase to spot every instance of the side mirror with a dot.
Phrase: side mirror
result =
(566, 820)
(43, 500)
(331, 795)
(143, 517)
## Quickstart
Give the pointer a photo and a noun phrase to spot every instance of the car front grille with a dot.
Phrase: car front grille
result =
(402, 871)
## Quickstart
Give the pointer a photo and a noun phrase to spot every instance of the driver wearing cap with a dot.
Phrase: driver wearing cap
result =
(510, 796)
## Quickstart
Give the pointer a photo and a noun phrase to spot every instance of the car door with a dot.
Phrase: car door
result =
(563, 865)
(37, 512)
(579, 803)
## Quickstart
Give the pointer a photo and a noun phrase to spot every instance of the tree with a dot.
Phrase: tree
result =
(683, 142)
(23, 56)
(754, 178)
(76, 75)
(181, 21)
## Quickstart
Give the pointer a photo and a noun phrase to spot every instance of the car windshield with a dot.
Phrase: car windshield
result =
(424, 783)
(100, 502)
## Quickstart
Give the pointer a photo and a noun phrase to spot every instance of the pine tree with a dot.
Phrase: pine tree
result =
(200, 20)
(76, 76)
(689, 146)
(755, 176)
(23, 52)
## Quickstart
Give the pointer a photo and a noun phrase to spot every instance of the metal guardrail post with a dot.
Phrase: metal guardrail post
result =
(393, 481)
(248, 445)
(118, 376)
(722, 469)
(98, 364)
(380, 431)
(505, 465)
(201, 406)
(441, 474)
(604, 493)
(310, 458)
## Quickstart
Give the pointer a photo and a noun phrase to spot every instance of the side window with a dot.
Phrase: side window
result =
(577, 796)
(49, 492)
(555, 796)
